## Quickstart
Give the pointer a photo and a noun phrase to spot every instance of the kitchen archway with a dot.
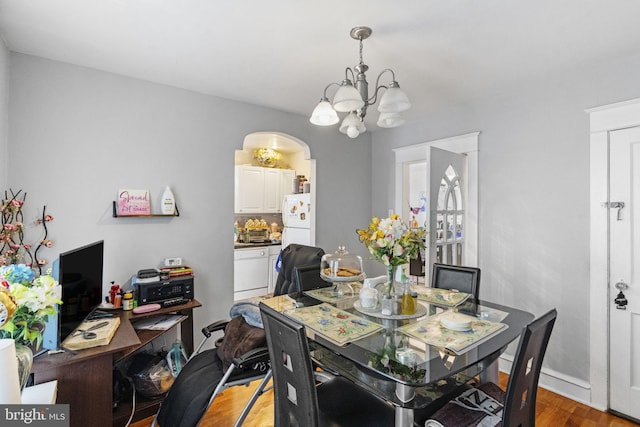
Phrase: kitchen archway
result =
(261, 174)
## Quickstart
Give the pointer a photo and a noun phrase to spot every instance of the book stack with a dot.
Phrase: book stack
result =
(176, 271)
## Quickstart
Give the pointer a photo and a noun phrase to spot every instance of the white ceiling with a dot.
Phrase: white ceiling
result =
(282, 53)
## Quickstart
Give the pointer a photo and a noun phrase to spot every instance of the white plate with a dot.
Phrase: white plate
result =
(456, 321)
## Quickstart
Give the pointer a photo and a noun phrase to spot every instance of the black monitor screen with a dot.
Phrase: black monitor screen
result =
(80, 276)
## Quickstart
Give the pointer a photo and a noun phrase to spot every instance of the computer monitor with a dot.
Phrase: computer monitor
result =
(79, 272)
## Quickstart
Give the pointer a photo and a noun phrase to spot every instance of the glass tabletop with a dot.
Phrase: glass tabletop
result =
(398, 355)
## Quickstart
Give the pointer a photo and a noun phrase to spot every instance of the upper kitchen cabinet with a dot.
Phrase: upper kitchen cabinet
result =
(261, 190)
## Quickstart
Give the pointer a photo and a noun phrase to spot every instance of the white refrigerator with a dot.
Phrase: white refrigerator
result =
(296, 220)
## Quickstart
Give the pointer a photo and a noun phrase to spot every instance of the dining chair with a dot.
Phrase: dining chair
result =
(298, 399)
(462, 278)
(487, 404)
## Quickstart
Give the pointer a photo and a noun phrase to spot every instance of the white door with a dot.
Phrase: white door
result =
(624, 271)
(446, 204)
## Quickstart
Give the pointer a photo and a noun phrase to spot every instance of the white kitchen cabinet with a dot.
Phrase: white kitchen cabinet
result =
(260, 190)
(250, 272)
(288, 175)
(274, 251)
(272, 190)
(249, 189)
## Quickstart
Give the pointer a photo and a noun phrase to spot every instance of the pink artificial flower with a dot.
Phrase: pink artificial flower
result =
(27, 245)
(9, 227)
(48, 218)
(42, 262)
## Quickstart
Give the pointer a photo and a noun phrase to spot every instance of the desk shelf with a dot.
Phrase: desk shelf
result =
(85, 378)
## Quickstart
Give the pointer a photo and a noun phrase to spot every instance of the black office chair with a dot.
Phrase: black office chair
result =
(516, 406)
(464, 279)
(298, 399)
(206, 374)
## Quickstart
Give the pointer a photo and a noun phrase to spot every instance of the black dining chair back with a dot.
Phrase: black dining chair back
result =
(295, 255)
(462, 278)
(298, 399)
(487, 404)
(520, 400)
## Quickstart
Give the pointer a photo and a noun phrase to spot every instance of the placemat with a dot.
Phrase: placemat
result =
(331, 296)
(444, 297)
(334, 324)
(431, 332)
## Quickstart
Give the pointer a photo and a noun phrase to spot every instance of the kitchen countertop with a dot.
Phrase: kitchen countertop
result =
(239, 245)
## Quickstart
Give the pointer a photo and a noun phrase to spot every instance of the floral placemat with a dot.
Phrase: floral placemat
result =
(280, 303)
(332, 296)
(431, 332)
(335, 324)
(444, 297)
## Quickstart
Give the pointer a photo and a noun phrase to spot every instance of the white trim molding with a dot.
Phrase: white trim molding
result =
(603, 120)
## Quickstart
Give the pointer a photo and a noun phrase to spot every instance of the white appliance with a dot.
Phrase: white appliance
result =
(296, 220)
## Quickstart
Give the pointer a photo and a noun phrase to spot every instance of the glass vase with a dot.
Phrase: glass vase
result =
(24, 354)
(394, 280)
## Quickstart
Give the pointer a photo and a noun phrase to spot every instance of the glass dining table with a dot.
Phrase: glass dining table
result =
(411, 361)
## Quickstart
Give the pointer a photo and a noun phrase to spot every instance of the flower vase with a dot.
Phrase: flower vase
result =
(394, 280)
(24, 354)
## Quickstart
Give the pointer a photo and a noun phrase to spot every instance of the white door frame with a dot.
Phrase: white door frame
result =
(603, 120)
(462, 144)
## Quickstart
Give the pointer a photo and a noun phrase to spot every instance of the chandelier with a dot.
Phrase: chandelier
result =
(354, 99)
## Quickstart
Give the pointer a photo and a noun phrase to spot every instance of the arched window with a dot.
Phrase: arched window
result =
(450, 219)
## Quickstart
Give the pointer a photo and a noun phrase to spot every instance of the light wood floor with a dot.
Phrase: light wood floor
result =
(552, 410)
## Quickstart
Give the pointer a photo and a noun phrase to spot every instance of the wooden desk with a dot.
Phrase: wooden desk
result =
(85, 379)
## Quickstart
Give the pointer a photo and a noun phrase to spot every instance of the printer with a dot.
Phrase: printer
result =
(151, 289)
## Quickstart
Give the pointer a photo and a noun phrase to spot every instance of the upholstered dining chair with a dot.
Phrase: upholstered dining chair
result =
(298, 400)
(487, 404)
(462, 278)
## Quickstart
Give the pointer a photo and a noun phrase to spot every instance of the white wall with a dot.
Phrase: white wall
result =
(77, 135)
(4, 114)
(534, 194)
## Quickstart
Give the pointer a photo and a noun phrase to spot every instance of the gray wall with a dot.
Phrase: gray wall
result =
(533, 193)
(4, 114)
(77, 135)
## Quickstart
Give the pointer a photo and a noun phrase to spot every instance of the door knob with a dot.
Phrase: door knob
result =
(621, 286)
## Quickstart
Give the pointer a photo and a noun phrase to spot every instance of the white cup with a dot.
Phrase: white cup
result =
(369, 298)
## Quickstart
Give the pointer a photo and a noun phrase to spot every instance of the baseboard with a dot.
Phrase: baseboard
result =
(564, 385)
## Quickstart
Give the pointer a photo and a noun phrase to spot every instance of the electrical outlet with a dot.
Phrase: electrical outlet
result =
(172, 262)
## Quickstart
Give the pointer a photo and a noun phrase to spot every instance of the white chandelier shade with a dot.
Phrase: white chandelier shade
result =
(354, 99)
(352, 126)
(324, 114)
(347, 98)
(394, 100)
(390, 120)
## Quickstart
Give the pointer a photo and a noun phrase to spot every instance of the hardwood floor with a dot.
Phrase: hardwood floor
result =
(552, 410)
